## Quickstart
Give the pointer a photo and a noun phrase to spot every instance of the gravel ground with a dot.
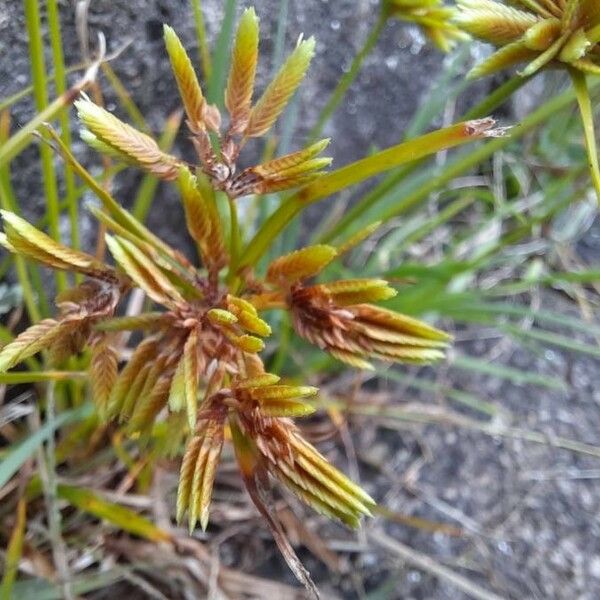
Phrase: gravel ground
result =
(530, 510)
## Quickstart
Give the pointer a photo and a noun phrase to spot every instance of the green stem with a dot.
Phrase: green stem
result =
(203, 50)
(278, 46)
(484, 108)
(346, 81)
(354, 173)
(587, 117)
(8, 202)
(497, 98)
(38, 376)
(147, 189)
(216, 84)
(20, 140)
(235, 240)
(8, 102)
(60, 83)
(38, 75)
(134, 113)
(472, 159)
(593, 35)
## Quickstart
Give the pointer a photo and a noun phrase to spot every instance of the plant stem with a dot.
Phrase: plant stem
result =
(47, 469)
(484, 108)
(587, 117)
(8, 102)
(346, 80)
(147, 189)
(472, 159)
(216, 84)
(60, 84)
(203, 50)
(593, 34)
(37, 376)
(20, 140)
(235, 240)
(14, 551)
(134, 113)
(497, 98)
(38, 75)
(352, 174)
(8, 202)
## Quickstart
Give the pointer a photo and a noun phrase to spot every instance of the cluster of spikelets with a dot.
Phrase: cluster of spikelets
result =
(197, 368)
(217, 161)
(433, 17)
(541, 33)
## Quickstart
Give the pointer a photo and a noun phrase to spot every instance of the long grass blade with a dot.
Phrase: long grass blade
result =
(60, 86)
(14, 552)
(587, 117)
(124, 518)
(361, 170)
(16, 456)
(216, 84)
(40, 94)
(203, 49)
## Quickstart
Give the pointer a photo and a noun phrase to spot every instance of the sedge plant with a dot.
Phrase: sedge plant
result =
(198, 370)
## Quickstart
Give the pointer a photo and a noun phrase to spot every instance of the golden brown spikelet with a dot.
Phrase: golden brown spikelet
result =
(103, 371)
(144, 272)
(264, 395)
(240, 85)
(145, 321)
(284, 454)
(219, 316)
(247, 316)
(434, 18)
(539, 33)
(24, 238)
(289, 161)
(143, 355)
(508, 56)
(190, 374)
(280, 90)
(202, 218)
(122, 138)
(187, 81)
(34, 339)
(292, 170)
(152, 399)
(346, 292)
(355, 332)
(494, 22)
(300, 264)
(198, 470)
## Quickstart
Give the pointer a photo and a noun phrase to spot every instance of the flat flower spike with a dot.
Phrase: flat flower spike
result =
(240, 85)
(282, 452)
(198, 471)
(23, 238)
(217, 147)
(196, 363)
(355, 332)
(187, 81)
(300, 264)
(279, 92)
(108, 132)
